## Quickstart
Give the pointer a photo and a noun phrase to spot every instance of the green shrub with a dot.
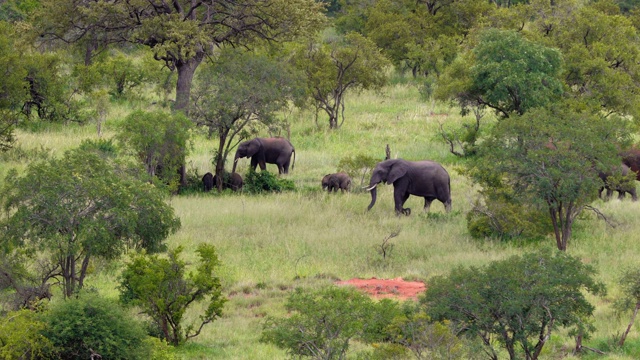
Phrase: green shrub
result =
(89, 324)
(21, 338)
(263, 181)
(324, 321)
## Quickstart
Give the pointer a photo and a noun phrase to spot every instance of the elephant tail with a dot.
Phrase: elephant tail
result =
(293, 164)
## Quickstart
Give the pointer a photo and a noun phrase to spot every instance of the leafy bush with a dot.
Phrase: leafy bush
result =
(159, 286)
(89, 325)
(260, 182)
(357, 166)
(21, 338)
(324, 322)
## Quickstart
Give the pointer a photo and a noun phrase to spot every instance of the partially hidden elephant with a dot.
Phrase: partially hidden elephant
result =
(231, 181)
(207, 181)
(427, 179)
(333, 182)
(276, 150)
(616, 181)
(631, 158)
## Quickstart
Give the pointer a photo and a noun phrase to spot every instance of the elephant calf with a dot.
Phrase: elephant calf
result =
(333, 182)
(618, 180)
(230, 181)
(207, 181)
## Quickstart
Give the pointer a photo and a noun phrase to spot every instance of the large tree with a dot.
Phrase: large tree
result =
(181, 33)
(237, 89)
(551, 159)
(81, 206)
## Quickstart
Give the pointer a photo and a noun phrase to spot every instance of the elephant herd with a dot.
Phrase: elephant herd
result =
(426, 179)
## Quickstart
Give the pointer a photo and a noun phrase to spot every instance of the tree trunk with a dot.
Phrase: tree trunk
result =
(623, 338)
(186, 70)
(220, 160)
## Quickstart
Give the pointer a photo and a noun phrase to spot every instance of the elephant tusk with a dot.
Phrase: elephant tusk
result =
(371, 187)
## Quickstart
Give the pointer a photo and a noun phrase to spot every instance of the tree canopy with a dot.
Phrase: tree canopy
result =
(77, 207)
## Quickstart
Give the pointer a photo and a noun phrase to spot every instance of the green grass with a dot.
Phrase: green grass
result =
(270, 244)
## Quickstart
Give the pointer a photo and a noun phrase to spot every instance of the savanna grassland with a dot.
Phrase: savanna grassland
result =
(271, 244)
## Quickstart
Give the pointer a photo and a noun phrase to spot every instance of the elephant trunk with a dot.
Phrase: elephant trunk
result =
(235, 162)
(374, 194)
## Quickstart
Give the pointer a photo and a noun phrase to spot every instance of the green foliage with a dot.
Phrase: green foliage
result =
(551, 159)
(512, 75)
(158, 139)
(503, 216)
(89, 325)
(324, 321)
(347, 63)
(164, 290)
(13, 87)
(517, 302)
(428, 339)
(262, 182)
(81, 206)
(629, 282)
(357, 166)
(21, 337)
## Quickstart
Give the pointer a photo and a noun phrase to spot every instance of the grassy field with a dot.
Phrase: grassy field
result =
(273, 243)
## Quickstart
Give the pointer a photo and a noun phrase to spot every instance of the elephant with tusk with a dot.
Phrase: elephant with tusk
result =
(427, 179)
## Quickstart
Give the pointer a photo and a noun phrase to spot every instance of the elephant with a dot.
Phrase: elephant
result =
(207, 181)
(426, 179)
(267, 150)
(230, 181)
(631, 158)
(622, 186)
(333, 182)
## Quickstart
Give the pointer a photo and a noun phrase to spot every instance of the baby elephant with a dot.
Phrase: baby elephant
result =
(333, 182)
(207, 181)
(230, 181)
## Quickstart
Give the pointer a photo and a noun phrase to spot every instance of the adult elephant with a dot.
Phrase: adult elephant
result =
(426, 179)
(617, 180)
(631, 158)
(333, 182)
(267, 150)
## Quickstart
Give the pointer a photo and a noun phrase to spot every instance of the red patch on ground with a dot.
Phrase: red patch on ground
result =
(387, 288)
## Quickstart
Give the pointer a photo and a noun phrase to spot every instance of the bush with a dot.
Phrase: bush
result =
(83, 327)
(21, 338)
(264, 181)
(324, 322)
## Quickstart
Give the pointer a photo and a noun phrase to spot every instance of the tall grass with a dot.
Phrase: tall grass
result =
(269, 244)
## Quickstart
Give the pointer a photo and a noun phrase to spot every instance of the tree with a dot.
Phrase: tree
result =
(510, 74)
(158, 139)
(349, 63)
(181, 33)
(21, 336)
(92, 327)
(237, 89)
(517, 302)
(80, 206)
(551, 159)
(630, 299)
(164, 290)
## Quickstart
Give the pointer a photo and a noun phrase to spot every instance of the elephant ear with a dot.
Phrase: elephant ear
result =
(397, 171)
(253, 147)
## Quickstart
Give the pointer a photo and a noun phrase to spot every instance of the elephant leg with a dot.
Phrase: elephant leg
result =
(634, 196)
(427, 204)
(399, 208)
(447, 205)
(621, 194)
(609, 193)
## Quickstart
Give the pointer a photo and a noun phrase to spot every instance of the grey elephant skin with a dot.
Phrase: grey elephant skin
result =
(622, 188)
(263, 151)
(338, 181)
(207, 181)
(230, 181)
(427, 179)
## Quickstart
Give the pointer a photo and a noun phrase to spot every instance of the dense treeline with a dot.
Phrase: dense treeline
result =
(551, 87)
